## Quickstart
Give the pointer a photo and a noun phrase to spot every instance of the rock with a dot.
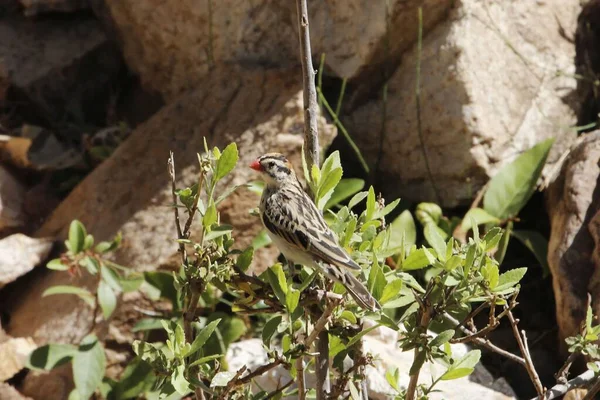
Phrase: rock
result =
(14, 353)
(130, 192)
(489, 90)
(251, 353)
(573, 202)
(61, 69)
(35, 7)
(11, 200)
(587, 60)
(19, 254)
(8, 392)
(171, 58)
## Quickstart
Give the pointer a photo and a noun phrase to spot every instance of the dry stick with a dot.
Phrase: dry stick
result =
(281, 389)
(321, 323)
(311, 134)
(300, 378)
(424, 322)
(579, 381)
(522, 342)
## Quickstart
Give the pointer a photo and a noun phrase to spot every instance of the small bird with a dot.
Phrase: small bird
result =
(299, 230)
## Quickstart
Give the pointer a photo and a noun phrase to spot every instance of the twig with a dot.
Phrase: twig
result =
(232, 383)
(281, 389)
(485, 342)
(322, 365)
(321, 323)
(522, 342)
(301, 380)
(426, 313)
(188, 224)
(311, 133)
(171, 167)
(579, 381)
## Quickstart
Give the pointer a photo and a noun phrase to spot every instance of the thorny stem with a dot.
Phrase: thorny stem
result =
(522, 342)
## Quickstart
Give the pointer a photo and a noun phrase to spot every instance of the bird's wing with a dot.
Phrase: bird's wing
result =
(293, 216)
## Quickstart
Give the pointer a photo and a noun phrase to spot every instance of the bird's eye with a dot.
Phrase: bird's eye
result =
(271, 164)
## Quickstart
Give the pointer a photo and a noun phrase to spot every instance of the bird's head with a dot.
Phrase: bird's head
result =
(274, 168)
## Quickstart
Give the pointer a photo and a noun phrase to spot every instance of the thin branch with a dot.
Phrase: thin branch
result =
(579, 381)
(280, 390)
(522, 342)
(171, 167)
(311, 133)
(188, 224)
(321, 323)
(426, 313)
(301, 378)
(322, 367)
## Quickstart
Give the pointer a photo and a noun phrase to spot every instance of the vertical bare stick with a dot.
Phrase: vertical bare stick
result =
(311, 133)
(522, 342)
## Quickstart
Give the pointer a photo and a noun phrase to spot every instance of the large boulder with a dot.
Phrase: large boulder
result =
(573, 202)
(173, 44)
(130, 192)
(495, 77)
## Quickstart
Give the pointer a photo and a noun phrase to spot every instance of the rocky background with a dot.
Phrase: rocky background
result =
(94, 94)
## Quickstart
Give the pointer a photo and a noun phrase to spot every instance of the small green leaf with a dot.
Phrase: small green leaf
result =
(537, 244)
(491, 274)
(88, 242)
(147, 324)
(110, 277)
(463, 367)
(503, 245)
(165, 283)
(346, 188)
(204, 360)
(452, 263)
(391, 291)
(371, 204)
(357, 198)
(442, 337)
(376, 282)
(218, 231)
(107, 299)
(210, 216)
(392, 378)
(456, 373)
(83, 294)
(89, 365)
(479, 216)
(354, 339)
(57, 265)
(328, 184)
(270, 328)
(348, 316)
(436, 241)
(50, 356)
(387, 209)
(90, 264)
(492, 238)
(180, 384)
(261, 240)
(404, 224)
(510, 279)
(77, 236)
(417, 259)
(292, 299)
(203, 336)
(227, 161)
(245, 259)
(315, 175)
(513, 185)
(277, 280)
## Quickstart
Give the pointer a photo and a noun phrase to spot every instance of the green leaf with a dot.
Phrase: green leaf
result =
(180, 384)
(90, 264)
(277, 280)
(510, 279)
(50, 356)
(315, 175)
(376, 282)
(110, 277)
(204, 360)
(227, 161)
(348, 316)
(391, 291)
(77, 236)
(354, 339)
(479, 216)
(417, 259)
(222, 379)
(89, 365)
(357, 198)
(210, 216)
(147, 324)
(371, 204)
(57, 265)
(503, 245)
(387, 209)
(452, 263)
(292, 299)
(88, 242)
(392, 378)
(537, 244)
(327, 187)
(107, 299)
(492, 238)
(218, 231)
(261, 240)
(245, 259)
(203, 336)
(83, 294)
(442, 337)
(491, 274)
(436, 241)
(270, 328)
(344, 189)
(463, 366)
(513, 185)
(165, 283)
(404, 224)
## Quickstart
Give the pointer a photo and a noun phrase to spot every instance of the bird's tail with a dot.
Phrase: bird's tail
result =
(357, 290)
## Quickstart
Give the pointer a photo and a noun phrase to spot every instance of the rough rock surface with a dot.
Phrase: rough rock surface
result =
(172, 44)
(35, 7)
(8, 392)
(387, 356)
(130, 191)
(587, 60)
(12, 193)
(14, 353)
(19, 254)
(573, 200)
(495, 81)
(62, 68)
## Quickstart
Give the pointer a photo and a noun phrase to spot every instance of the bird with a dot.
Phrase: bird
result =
(298, 229)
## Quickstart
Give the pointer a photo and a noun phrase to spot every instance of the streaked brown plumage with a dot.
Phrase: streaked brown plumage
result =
(299, 230)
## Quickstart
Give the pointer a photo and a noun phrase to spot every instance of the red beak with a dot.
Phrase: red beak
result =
(256, 165)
